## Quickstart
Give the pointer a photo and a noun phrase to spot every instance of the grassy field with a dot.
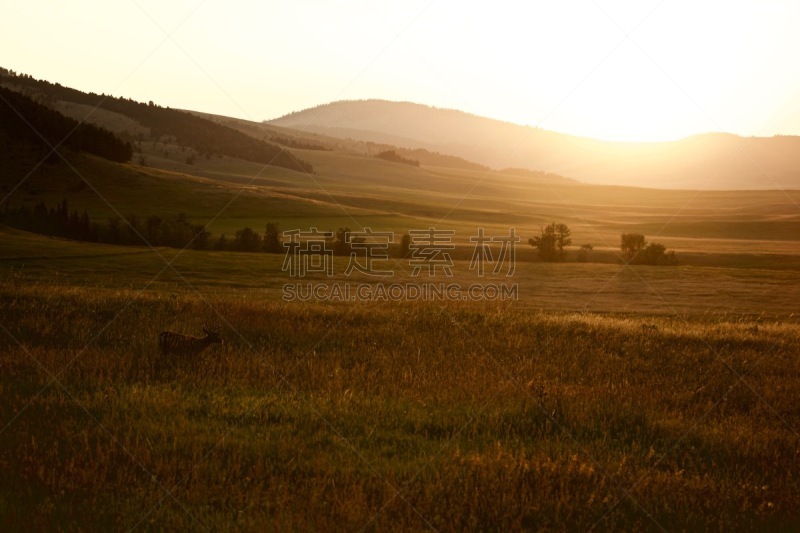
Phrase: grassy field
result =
(740, 289)
(600, 396)
(605, 397)
(390, 416)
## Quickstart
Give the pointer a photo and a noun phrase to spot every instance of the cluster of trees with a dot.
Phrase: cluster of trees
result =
(391, 155)
(248, 240)
(554, 238)
(340, 242)
(176, 232)
(24, 120)
(552, 241)
(637, 251)
(58, 221)
(425, 157)
(205, 136)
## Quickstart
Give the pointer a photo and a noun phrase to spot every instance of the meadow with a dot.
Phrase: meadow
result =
(600, 397)
(605, 397)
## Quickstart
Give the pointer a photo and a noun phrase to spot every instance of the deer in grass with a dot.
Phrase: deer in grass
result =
(183, 345)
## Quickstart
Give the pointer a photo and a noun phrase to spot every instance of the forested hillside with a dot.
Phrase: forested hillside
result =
(204, 136)
(23, 120)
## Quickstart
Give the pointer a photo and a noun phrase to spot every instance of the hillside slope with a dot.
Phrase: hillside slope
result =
(148, 121)
(710, 161)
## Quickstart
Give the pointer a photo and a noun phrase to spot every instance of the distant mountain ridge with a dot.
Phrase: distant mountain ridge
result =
(713, 161)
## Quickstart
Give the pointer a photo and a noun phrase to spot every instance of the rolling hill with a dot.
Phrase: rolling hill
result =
(714, 161)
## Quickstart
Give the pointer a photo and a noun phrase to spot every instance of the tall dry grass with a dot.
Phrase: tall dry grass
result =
(390, 416)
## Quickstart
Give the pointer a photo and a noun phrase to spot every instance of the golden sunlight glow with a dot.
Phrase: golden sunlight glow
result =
(614, 69)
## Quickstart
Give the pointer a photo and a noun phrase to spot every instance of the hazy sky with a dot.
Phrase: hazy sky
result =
(618, 69)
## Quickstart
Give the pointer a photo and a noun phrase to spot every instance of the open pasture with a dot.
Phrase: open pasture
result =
(607, 397)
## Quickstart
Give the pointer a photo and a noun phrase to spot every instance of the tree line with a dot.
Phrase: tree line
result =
(61, 221)
(394, 157)
(179, 232)
(300, 144)
(173, 232)
(58, 221)
(423, 156)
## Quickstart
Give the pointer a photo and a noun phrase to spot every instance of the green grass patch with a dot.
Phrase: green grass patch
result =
(390, 416)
